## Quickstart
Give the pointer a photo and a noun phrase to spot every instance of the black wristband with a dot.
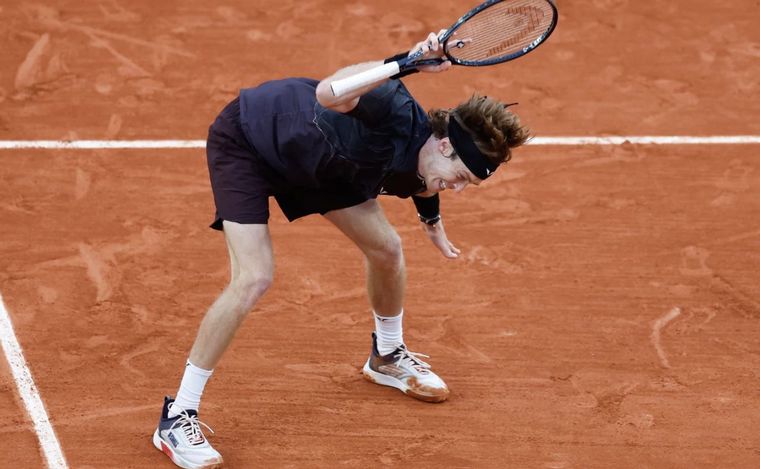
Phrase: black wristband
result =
(402, 73)
(427, 207)
(429, 221)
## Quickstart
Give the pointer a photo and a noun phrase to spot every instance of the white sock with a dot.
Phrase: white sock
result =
(191, 388)
(389, 331)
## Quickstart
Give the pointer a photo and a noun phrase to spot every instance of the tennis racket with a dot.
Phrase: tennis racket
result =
(495, 31)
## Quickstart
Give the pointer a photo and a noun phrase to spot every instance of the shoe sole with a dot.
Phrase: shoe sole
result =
(176, 458)
(385, 380)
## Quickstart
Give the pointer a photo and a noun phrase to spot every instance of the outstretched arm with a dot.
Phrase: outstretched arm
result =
(348, 102)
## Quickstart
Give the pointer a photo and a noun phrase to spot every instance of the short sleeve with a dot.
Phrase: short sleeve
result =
(376, 107)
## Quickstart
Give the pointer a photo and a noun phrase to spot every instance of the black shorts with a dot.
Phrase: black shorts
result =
(240, 180)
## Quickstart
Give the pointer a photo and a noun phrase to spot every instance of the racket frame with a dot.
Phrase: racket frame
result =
(347, 85)
(481, 63)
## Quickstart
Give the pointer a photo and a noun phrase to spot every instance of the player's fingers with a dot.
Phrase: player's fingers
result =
(421, 46)
(439, 68)
(442, 246)
(432, 41)
(445, 247)
(447, 252)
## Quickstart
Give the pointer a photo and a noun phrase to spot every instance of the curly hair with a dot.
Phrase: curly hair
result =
(494, 128)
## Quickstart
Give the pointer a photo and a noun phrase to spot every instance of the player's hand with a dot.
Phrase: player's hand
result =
(437, 235)
(432, 49)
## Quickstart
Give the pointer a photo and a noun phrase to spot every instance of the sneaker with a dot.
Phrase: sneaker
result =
(404, 370)
(181, 438)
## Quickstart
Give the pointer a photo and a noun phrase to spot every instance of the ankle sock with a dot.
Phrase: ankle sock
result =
(389, 332)
(191, 388)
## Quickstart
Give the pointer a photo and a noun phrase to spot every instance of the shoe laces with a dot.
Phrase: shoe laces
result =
(190, 425)
(406, 357)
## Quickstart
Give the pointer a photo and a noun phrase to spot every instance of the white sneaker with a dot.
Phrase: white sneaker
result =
(181, 438)
(404, 370)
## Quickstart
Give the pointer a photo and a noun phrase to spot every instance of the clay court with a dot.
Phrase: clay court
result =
(605, 312)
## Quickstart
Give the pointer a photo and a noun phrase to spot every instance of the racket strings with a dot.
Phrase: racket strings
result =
(501, 30)
(513, 23)
(504, 32)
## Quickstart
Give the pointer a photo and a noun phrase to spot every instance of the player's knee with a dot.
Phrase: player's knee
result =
(251, 286)
(388, 254)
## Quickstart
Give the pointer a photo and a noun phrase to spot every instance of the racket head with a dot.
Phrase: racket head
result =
(498, 31)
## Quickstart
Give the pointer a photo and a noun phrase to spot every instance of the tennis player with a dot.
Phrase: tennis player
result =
(314, 153)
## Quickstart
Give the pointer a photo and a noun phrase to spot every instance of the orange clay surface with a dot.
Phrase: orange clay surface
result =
(605, 311)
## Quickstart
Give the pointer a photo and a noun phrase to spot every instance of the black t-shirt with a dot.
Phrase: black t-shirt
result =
(328, 160)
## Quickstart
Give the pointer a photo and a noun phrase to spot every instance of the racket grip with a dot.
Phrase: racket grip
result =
(347, 85)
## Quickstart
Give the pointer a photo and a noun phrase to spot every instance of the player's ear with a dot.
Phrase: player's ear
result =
(445, 147)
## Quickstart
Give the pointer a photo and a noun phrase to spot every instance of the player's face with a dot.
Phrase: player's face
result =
(447, 172)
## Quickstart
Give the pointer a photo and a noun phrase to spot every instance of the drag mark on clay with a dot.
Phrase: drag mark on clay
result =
(694, 262)
(30, 70)
(135, 69)
(121, 37)
(97, 269)
(150, 347)
(487, 257)
(105, 413)
(445, 336)
(657, 327)
(116, 12)
(739, 300)
(82, 185)
(735, 238)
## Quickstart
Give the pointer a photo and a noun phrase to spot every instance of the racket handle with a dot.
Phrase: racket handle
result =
(347, 85)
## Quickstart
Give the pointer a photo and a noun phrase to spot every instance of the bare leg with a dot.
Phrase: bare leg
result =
(252, 267)
(367, 226)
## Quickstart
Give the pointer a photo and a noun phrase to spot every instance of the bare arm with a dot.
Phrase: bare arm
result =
(348, 102)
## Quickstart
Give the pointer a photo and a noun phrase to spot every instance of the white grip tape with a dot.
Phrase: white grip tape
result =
(367, 77)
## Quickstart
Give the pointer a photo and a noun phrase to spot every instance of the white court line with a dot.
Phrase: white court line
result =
(99, 144)
(29, 394)
(649, 140)
(543, 141)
